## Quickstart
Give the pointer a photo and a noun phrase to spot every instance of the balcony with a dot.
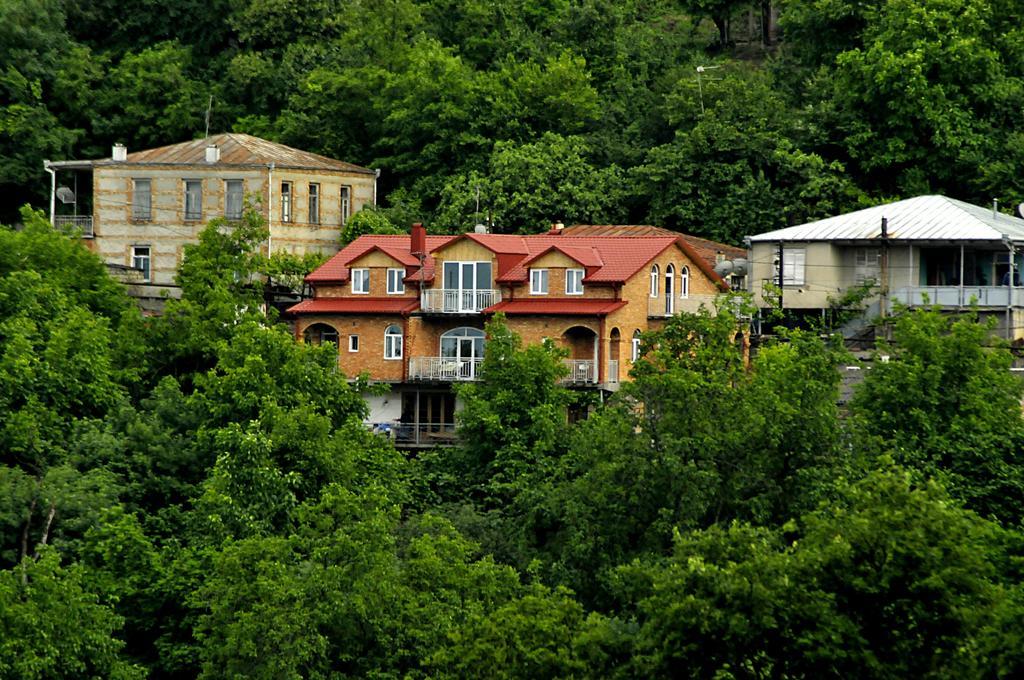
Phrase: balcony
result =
(960, 296)
(443, 369)
(612, 378)
(79, 223)
(581, 372)
(423, 434)
(457, 300)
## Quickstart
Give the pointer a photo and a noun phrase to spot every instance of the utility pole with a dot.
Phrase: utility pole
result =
(883, 300)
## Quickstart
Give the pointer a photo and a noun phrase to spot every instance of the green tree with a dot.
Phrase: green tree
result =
(946, 405)
(890, 580)
(54, 627)
(527, 187)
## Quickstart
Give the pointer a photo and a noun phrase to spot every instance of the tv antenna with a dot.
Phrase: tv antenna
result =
(209, 105)
(700, 87)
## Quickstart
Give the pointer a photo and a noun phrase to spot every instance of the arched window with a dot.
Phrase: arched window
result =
(463, 343)
(393, 342)
(654, 281)
(670, 289)
(684, 282)
(635, 353)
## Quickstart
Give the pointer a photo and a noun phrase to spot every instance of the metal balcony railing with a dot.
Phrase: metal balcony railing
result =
(961, 296)
(416, 434)
(613, 372)
(581, 371)
(81, 223)
(457, 300)
(443, 369)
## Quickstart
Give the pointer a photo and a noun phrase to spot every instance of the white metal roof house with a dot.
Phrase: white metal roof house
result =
(924, 250)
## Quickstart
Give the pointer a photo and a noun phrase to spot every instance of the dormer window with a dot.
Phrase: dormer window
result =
(538, 282)
(396, 285)
(574, 281)
(361, 281)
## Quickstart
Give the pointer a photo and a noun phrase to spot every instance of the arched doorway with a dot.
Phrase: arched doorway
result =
(582, 345)
(319, 333)
(670, 289)
(462, 351)
(614, 341)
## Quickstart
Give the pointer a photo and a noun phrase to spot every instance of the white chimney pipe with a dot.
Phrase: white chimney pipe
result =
(119, 153)
(212, 153)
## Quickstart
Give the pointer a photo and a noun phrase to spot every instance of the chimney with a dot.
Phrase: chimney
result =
(119, 153)
(556, 228)
(212, 153)
(419, 240)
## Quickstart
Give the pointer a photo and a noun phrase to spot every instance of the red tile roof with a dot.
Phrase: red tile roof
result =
(335, 270)
(356, 305)
(707, 249)
(557, 306)
(608, 259)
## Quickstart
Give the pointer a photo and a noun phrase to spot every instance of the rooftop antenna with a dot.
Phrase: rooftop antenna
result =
(209, 105)
(700, 88)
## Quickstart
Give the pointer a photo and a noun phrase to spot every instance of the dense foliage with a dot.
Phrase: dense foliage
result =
(196, 495)
(526, 112)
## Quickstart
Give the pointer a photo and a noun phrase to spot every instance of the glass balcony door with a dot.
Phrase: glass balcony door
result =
(465, 285)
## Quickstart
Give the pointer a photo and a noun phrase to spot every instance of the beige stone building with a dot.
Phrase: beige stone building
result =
(927, 250)
(409, 311)
(137, 210)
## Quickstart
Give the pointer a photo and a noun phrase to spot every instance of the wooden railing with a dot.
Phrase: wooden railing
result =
(81, 223)
(457, 301)
(443, 369)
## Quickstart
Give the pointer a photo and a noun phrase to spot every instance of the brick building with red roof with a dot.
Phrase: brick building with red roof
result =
(409, 310)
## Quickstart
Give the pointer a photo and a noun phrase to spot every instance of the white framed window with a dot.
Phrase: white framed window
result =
(346, 204)
(538, 282)
(353, 343)
(361, 281)
(193, 199)
(286, 201)
(634, 353)
(314, 203)
(141, 261)
(396, 286)
(574, 281)
(233, 192)
(142, 199)
(867, 264)
(393, 342)
(684, 282)
(654, 281)
(670, 289)
(794, 262)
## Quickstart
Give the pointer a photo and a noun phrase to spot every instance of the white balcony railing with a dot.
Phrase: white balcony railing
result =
(581, 371)
(457, 300)
(613, 372)
(957, 296)
(81, 223)
(443, 369)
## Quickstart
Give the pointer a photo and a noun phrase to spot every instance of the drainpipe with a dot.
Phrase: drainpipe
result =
(53, 190)
(270, 210)
(376, 176)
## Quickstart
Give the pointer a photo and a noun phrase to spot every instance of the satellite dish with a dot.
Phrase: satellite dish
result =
(724, 268)
(1020, 209)
(65, 195)
(739, 266)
